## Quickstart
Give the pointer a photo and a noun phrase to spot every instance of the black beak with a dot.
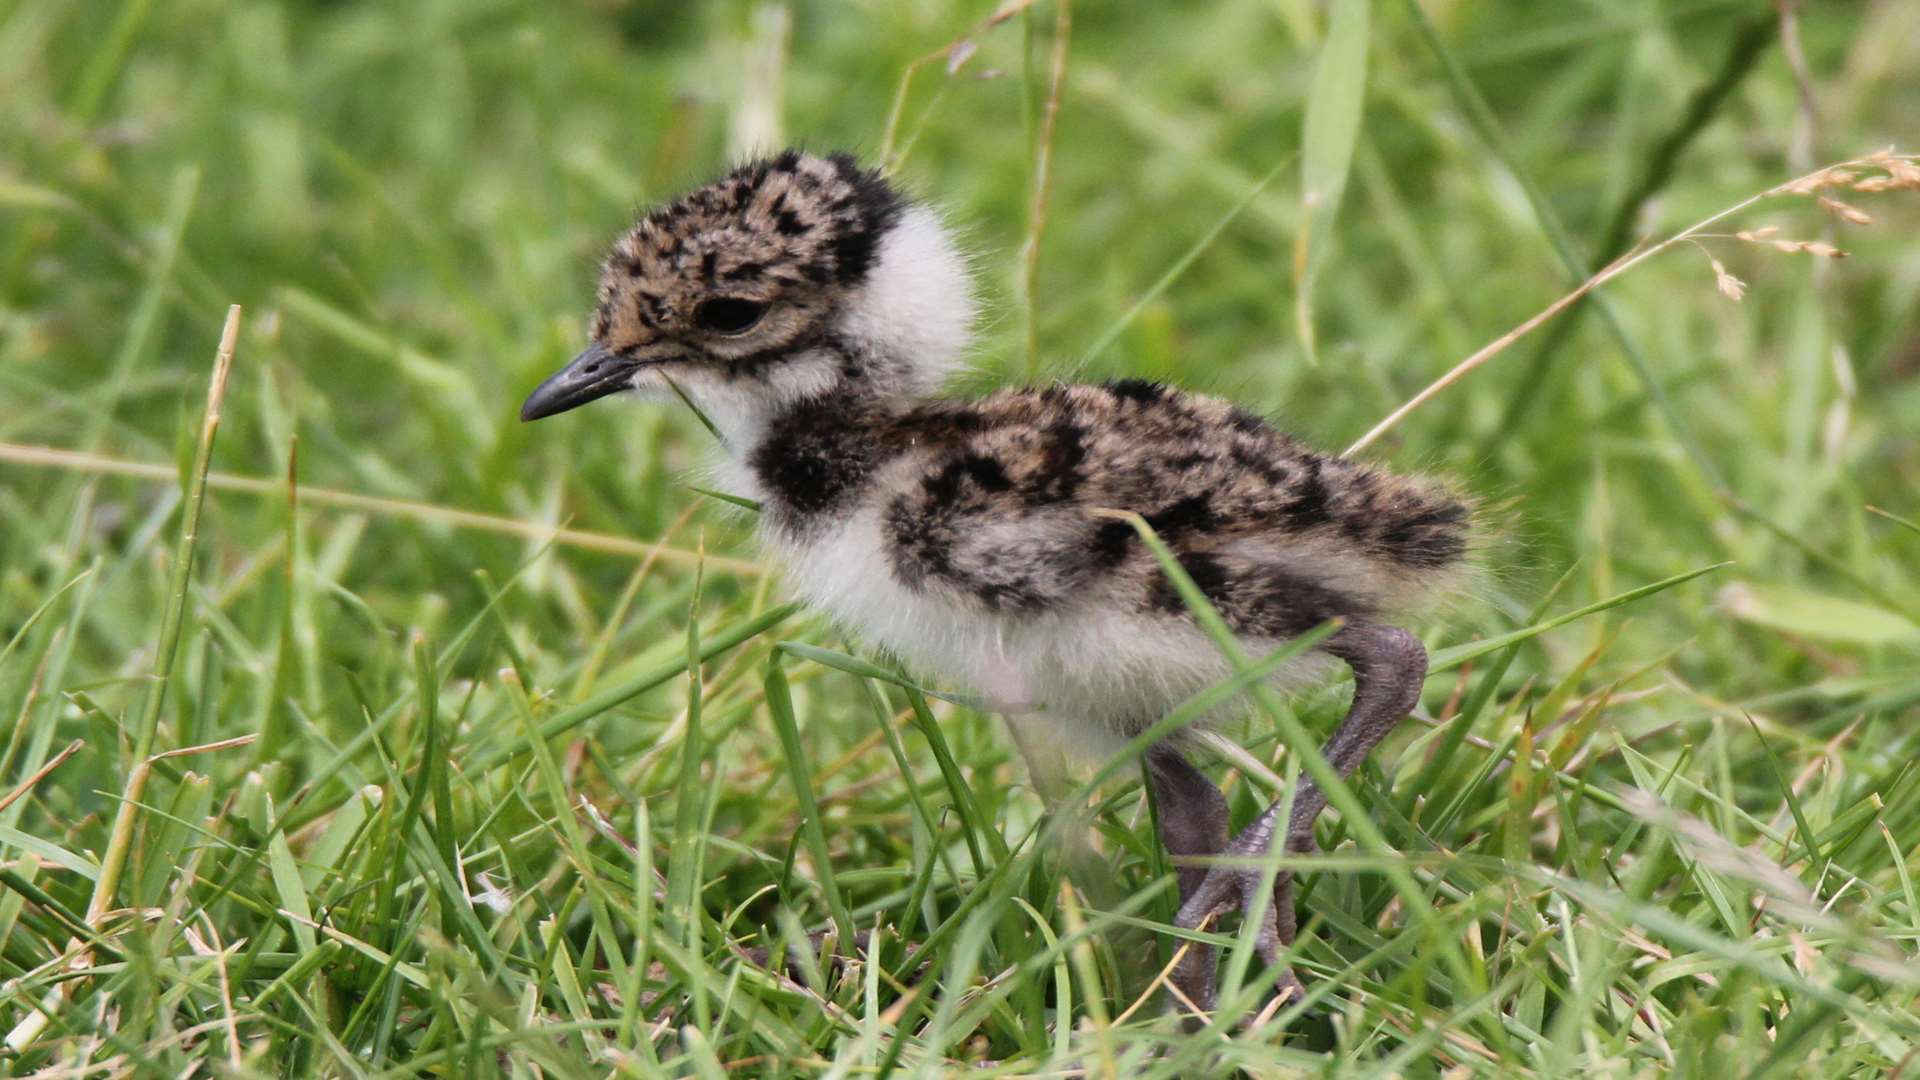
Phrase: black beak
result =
(593, 374)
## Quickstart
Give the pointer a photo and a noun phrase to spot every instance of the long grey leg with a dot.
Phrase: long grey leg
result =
(1389, 665)
(1193, 813)
(1193, 821)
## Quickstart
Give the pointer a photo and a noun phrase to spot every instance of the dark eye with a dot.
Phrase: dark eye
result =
(729, 314)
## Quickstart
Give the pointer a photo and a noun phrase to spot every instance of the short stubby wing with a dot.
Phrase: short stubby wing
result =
(1005, 507)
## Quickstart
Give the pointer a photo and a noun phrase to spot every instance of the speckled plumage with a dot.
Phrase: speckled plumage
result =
(812, 313)
(983, 511)
(1280, 537)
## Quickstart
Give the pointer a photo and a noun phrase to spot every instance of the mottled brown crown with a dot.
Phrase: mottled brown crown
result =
(748, 265)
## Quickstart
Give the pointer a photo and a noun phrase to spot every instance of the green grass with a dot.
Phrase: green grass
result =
(465, 800)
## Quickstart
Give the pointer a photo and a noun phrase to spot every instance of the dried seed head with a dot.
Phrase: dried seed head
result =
(1904, 174)
(960, 53)
(1731, 287)
(1829, 177)
(1845, 211)
(1809, 247)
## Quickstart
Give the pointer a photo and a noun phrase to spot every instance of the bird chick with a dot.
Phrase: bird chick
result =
(812, 312)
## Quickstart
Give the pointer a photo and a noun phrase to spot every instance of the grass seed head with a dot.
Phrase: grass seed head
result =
(1731, 287)
(1832, 176)
(1809, 247)
(1845, 211)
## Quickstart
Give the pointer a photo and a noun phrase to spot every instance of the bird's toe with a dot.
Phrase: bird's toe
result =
(1225, 889)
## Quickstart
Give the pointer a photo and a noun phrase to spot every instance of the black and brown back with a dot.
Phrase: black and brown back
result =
(993, 504)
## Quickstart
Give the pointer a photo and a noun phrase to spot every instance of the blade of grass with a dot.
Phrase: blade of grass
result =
(1744, 51)
(972, 817)
(172, 618)
(1146, 299)
(572, 836)
(1809, 838)
(690, 808)
(53, 457)
(780, 705)
(1910, 526)
(147, 311)
(575, 715)
(1448, 659)
(1043, 183)
(1456, 733)
(1481, 117)
(853, 665)
(1327, 140)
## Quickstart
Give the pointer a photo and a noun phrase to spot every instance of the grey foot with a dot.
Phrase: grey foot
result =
(1227, 889)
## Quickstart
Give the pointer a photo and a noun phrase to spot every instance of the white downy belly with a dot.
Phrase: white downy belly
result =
(1117, 671)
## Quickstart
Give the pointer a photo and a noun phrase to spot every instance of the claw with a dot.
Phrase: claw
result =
(1224, 889)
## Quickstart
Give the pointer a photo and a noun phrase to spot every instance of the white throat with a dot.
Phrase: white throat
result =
(915, 312)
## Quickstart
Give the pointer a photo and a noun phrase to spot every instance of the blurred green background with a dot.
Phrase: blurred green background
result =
(409, 200)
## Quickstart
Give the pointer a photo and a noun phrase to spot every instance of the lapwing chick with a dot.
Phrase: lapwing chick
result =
(812, 312)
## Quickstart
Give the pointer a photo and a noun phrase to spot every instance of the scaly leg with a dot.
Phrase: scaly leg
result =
(1389, 665)
(1193, 821)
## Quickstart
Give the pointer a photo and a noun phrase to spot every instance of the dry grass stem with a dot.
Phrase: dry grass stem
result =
(41, 773)
(1159, 980)
(1043, 180)
(955, 53)
(1884, 170)
(607, 543)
